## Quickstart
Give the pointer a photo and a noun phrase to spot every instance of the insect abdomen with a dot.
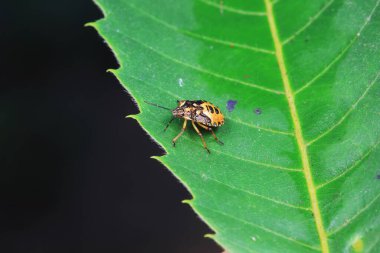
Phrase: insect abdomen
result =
(213, 114)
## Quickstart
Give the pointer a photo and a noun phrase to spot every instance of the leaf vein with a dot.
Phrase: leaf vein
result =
(349, 111)
(262, 228)
(278, 202)
(206, 71)
(200, 36)
(349, 220)
(233, 10)
(377, 240)
(309, 23)
(353, 166)
(232, 119)
(260, 128)
(341, 54)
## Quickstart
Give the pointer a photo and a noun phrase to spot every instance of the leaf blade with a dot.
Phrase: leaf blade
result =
(197, 45)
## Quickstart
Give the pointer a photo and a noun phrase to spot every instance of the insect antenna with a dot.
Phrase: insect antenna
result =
(159, 106)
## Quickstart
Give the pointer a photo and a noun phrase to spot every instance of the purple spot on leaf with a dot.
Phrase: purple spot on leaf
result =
(231, 105)
(378, 176)
(258, 111)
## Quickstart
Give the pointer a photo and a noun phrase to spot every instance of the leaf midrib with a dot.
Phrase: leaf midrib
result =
(297, 129)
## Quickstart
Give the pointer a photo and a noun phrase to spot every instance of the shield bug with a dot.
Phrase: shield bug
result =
(199, 112)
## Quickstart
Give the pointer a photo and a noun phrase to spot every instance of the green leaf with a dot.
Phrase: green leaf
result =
(299, 171)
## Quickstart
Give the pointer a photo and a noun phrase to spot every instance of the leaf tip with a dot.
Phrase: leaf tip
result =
(211, 236)
(113, 72)
(131, 116)
(158, 158)
(187, 201)
(90, 24)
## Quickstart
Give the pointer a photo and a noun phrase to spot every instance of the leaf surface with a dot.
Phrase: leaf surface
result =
(299, 171)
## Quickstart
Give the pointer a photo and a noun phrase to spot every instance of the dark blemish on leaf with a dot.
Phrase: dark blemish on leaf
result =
(232, 45)
(247, 76)
(231, 105)
(258, 111)
(378, 176)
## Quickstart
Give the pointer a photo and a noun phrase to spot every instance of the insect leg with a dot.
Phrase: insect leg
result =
(213, 134)
(180, 133)
(216, 138)
(169, 123)
(200, 135)
(203, 126)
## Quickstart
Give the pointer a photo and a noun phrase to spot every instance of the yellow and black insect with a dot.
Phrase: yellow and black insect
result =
(200, 112)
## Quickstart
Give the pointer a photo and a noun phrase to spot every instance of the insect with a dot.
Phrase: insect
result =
(199, 112)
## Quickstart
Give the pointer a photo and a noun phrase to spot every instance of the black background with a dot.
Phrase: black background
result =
(75, 174)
